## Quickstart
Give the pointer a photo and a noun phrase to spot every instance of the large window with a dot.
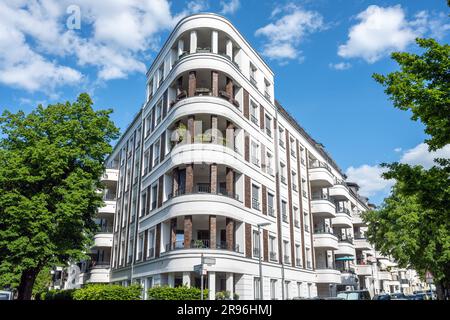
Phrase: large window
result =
(273, 289)
(256, 288)
(255, 153)
(154, 196)
(255, 197)
(256, 244)
(151, 243)
(254, 112)
(283, 211)
(270, 205)
(272, 248)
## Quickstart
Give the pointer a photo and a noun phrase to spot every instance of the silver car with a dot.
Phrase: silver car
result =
(6, 295)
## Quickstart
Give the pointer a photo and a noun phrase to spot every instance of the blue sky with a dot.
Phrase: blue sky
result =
(326, 52)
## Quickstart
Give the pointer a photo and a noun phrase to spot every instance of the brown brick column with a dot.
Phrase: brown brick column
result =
(229, 88)
(289, 179)
(230, 181)
(173, 232)
(230, 135)
(190, 129)
(266, 245)
(246, 104)
(214, 129)
(160, 191)
(212, 232)
(213, 178)
(187, 231)
(246, 147)
(248, 240)
(175, 181)
(162, 153)
(192, 86)
(158, 240)
(247, 192)
(215, 83)
(179, 85)
(300, 197)
(264, 200)
(189, 178)
(313, 257)
(229, 233)
(261, 117)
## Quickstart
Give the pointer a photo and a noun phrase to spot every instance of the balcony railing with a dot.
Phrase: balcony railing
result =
(153, 205)
(255, 161)
(320, 197)
(269, 170)
(285, 218)
(323, 230)
(283, 179)
(306, 228)
(309, 264)
(296, 223)
(293, 153)
(286, 259)
(271, 211)
(304, 194)
(200, 244)
(298, 262)
(269, 132)
(273, 256)
(253, 81)
(342, 210)
(294, 187)
(99, 264)
(221, 192)
(254, 119)
(109, 197)
(156, 161)
(346, 239)
(255, 203)
(319, 164)
(267, 95)
(105, 229)
(281, 142)
(256, 252)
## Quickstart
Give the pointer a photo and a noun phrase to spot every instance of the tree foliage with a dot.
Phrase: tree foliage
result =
(423, 86)
(51, 161)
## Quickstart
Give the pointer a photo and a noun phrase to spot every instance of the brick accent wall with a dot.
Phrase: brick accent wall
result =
(229, 233)
(190, 129)
(187, 231)
(162, 153)
(246, 104)
(230, 181)
(173, 232)
(215, 83)
(291, 218)
(213, 177)
(189, 178)
(160, 191)
(174, 181)
(266, 245)
(229, 88)
(261, 117)
(212, 231)
(247, 192)
(264, 200)
(158, 240)
(192, 85)
(248, 240)
(246, 147)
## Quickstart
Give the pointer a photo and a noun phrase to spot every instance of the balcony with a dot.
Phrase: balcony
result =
(339, 191)
(324, 239)
(362, 243)
(342, 219)
(109, 207)
(98, 272)
(323, 208)
(320, 175)
(345, 247)
(328, 276)
(103, 239)
(363, 270)
(110, 175)
(205, 244)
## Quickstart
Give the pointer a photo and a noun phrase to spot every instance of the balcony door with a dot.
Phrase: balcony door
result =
(182, 180)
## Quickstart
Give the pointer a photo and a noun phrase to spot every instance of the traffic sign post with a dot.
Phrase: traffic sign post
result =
(202, 270)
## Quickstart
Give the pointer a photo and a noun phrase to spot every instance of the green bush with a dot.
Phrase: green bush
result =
(57, 294)
(108, 292)
(178, 293)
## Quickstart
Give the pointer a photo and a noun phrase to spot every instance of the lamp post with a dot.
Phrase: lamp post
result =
(259, 225)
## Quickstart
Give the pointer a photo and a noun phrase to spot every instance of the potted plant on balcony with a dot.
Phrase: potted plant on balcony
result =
(179, 134)
(198, 244)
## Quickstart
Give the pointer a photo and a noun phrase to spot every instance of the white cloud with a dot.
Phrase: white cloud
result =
(115, 37)
(382, 30)
(369, 179)
(398, 149)
(419, 155)
(285, 34)
(229, 6)
(340, 66)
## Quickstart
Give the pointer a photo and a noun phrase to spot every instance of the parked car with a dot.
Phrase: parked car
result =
(6, 295)
(354, 295)
(398, 296)
(420, 296)
(383, 296)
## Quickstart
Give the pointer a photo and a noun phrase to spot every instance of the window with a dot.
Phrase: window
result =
(272, 248)
(143, 204)
(294, 179)
(256, 288)
(292, 147)
(273, 288)
(309, 290)
(161, 74)
(254, 112)
(148, 124)
(138, 138)
(283, 211)
(296, 220)
(253, 70)
(266, 88)
(154, 196)
(146, 160)
(268, 124)
(255, 153)
(151, 243)
(281, 139)
(269, 159)
(156, 150)
(308, 258)
(256, 246)
(283, 172)
(133, 205)
(286, 251)
(299, 289)
(255, 197)
(286, 290)
(270, 207)
(305, 194)
(158, 112)
(140, 247)
(150, 90)
(298, 260)
(130, 250)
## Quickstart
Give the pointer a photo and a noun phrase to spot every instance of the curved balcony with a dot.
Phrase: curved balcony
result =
(103, 239)
(320, 175)
(340, 192)
(362, 243)
(348, 278)
(99, 273)
(109, 207)
(328, 276)
(342, 219)
(110, 175)
(363, 270)
(384, 275)
(345, 248)
(325, 240)
(323, 208)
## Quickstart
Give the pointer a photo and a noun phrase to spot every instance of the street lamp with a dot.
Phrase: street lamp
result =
(259, 225)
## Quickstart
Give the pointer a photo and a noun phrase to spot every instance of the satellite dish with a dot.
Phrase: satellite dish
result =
(73, 277)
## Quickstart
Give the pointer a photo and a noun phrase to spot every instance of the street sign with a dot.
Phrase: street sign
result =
(200, 269)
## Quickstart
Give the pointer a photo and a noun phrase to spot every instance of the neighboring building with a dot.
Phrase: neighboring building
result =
(212, 154)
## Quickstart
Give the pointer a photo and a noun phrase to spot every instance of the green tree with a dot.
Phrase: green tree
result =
(412, 224)
(423, 86)
(42, 282)
(51, 161)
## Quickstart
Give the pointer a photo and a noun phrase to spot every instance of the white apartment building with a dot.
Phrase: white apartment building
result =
(209, 157)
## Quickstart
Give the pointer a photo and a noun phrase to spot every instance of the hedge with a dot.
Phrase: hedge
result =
(57, 294)
(108, 292)
(177, 293)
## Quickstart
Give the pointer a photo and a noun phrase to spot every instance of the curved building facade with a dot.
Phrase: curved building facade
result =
(209, 157)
